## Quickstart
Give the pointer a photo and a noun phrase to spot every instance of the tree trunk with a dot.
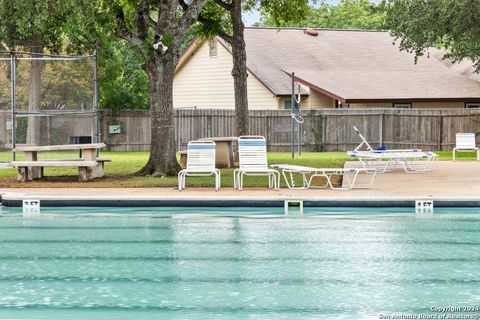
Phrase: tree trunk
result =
(239, 71)
(163, 160)
(35, 93)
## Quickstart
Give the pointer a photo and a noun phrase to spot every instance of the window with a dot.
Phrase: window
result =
(212, 48)
(472, 105)
(287, 104)
(344, 106)
(402, 105)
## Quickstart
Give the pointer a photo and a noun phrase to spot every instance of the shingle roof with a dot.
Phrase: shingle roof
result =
(354, 65)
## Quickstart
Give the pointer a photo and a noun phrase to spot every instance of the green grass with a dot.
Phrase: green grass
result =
(119, 172)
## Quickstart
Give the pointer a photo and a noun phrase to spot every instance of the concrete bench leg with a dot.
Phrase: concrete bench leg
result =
(35, 173)
(22, 174)
(97, 171)
(85, 173)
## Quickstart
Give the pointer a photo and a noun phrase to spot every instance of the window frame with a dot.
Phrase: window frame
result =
(212, 48)
(472, 105)
(289, 101)
(402, 105)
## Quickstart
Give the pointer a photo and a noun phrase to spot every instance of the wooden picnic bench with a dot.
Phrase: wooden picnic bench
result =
(89, 166)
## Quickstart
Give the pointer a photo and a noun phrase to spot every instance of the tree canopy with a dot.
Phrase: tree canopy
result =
(450, 24)
(347, 14)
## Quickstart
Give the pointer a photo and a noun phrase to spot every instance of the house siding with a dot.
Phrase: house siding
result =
(315, 100)
(206, 81)
(419, 105)
(318, 100)
(440, 104)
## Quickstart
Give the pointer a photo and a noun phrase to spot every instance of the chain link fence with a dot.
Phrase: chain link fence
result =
(54, 99)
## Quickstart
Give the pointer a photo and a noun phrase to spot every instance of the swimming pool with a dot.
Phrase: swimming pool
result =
(220, 263)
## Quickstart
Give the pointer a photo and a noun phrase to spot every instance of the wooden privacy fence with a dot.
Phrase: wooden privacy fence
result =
(322, 130)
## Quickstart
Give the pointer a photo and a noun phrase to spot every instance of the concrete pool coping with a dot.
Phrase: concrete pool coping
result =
(163, 197)
(450, 184)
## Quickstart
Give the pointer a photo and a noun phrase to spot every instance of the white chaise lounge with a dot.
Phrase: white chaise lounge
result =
(381, 149)
(252, 153)
(465, 142)
(411, 160)
(307, 175)
(200, 162)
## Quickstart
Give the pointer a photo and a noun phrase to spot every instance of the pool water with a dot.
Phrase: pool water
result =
(220, 263)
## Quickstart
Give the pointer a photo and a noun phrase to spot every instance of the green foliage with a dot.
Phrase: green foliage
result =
(123, 84)
(77, 27)
(348, 14)
(24, 23)
(218, 21)
(451, 24)
(284, 13)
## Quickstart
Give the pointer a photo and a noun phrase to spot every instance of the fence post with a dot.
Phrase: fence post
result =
(394, 129)
(209, 125)
(267, 129)
(13, 93)
(440, 131)
(380, 129)
(324, 131)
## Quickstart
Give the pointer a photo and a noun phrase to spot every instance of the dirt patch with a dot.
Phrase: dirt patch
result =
(336, 180)
(112, 181)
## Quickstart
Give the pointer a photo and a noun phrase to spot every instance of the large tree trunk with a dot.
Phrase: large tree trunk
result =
(35, 93)
(162, 161)
(239, 71)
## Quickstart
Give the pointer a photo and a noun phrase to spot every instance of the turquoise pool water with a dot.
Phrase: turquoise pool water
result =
(174, 263)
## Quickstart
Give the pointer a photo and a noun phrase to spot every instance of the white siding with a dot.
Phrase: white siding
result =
(205, 81)
(318, 100)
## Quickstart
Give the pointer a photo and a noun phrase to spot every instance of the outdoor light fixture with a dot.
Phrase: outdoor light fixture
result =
(158, 43)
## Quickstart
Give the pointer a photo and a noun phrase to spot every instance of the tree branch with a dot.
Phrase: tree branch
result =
(148, 19)
(123, 32)
(221, 33)
(141, 25)
(4, 45)
(167, 22)
(183, 4)
(192, 13)
(224, 5)
(188, 18)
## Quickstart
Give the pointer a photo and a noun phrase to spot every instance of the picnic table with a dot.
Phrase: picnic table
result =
(224, 153)
(225, 156)
(89, 166)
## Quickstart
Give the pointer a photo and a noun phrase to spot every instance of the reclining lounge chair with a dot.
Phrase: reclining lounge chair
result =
(384, 160)
(309, 174)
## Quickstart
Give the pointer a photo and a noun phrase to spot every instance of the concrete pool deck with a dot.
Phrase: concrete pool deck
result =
(450, 183)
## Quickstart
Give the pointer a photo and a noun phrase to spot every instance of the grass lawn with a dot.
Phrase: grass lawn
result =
(119, 172)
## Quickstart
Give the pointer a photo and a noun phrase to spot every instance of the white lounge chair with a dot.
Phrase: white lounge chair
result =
(465, 142)
(411, 161)
(384, 160)
(200, 162)
(308, 174)
(252, 153)
(381, 149)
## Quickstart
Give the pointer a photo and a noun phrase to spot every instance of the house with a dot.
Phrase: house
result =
(336, 69)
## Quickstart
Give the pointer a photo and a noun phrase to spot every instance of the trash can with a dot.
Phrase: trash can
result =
(80, 140)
